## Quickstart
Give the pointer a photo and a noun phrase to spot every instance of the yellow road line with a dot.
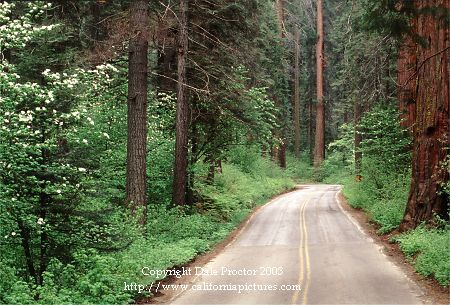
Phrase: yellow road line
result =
(308, 267)
(303, 244)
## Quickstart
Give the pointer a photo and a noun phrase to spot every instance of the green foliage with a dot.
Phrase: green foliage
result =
(174, 238)
(385, 141)
(247, 181)
(387, 16)
(385, 206)
(340, 161)
(300, 169)
(429, 250)
(384, 188)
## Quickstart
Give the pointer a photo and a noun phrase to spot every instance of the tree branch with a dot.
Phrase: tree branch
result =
(422, 63)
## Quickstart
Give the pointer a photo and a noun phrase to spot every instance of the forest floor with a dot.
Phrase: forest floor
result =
(351, 264)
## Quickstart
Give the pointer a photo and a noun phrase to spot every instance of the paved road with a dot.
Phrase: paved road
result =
(301, 249)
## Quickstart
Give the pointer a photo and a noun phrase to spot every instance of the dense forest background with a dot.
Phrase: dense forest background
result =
(140, 133)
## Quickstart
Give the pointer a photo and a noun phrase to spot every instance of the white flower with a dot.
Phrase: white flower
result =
(81, 169)
(40, 221)
(85, 141)
(106, 135)
(58, 191)
(13, 233)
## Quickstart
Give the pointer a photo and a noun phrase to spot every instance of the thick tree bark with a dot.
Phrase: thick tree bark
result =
(182, 124)
(406, 66)
(297, 94)
(136, 184)
(431, 128)
(319, 149)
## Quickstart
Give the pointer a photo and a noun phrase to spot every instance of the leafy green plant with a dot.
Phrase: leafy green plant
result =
(428, 250)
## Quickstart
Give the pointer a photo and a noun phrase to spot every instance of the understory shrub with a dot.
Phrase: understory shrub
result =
(429, 251)
(174, 237)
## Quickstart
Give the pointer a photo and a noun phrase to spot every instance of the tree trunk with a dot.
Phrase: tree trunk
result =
(280, 15)
(297, 95)
(211, 171)
(319, 149)
(431, 129)
(311, 114)
(182, 124)
(137, 110)
(406, 66)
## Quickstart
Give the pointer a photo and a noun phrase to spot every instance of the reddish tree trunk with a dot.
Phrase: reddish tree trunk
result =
(182, 124)
(136, 183)
(407, 64)
(319, 149)
(431, 128)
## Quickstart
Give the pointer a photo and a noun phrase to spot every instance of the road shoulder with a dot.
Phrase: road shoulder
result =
(202, 259)
(433, 292)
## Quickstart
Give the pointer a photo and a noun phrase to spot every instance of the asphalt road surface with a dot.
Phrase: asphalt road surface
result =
(301, 248)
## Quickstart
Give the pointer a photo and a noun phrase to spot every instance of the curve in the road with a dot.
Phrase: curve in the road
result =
(314, 252)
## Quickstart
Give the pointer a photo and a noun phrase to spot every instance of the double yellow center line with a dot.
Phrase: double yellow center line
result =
(303, 254)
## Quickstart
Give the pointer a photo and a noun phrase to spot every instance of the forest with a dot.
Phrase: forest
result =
(142, 133)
